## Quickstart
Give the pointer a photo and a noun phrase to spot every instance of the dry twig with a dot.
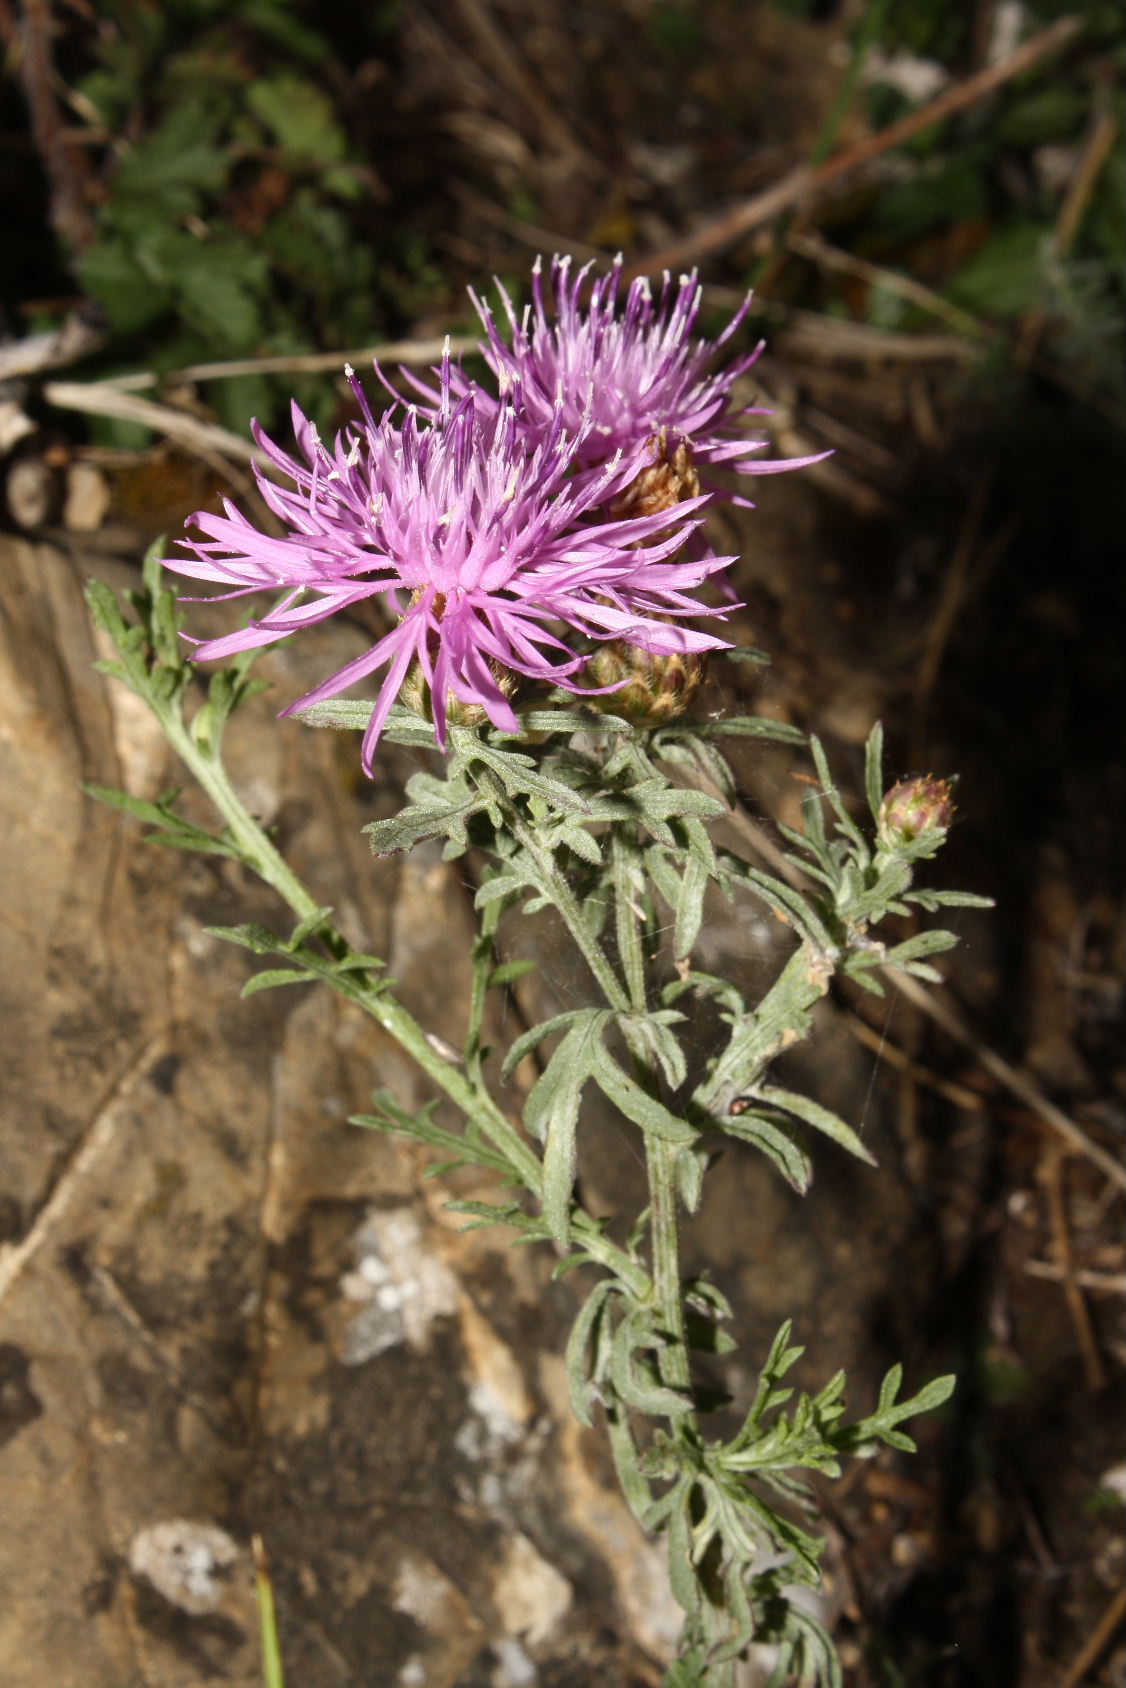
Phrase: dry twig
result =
(829, 339)
(307, 363)
(804, 185)
(891, 281)
(959, 1094)
(1100, 140)
(1099, 1283)
(1096, 1643)
(1016, 1082)
(521, 83)
(66, 167)
(946, 611)
(206, 439)
(1051, 1177)
(73, 339)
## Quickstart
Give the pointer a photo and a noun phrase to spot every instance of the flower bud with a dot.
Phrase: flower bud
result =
(416, 695)
(657, 688)
(915, 806)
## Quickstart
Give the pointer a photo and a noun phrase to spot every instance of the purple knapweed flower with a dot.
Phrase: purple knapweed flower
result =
(485, 550)
(639, 377)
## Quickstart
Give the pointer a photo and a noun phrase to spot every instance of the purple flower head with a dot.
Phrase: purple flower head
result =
(626, 380)
(486, 548)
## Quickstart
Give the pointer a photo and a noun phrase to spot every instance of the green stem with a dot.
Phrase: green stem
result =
(781, 1018)
(660, 1161)
(660, 1157)
(259, 854)
(554, 886)
(629, 887)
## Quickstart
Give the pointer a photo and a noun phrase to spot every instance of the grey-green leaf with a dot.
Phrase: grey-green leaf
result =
(644, 1110)
(822, 1119)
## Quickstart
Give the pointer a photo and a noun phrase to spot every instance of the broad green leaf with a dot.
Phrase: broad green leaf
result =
(651, 1034)
(576, 837)
(795, 909)
(433, 820)
(922, 944)
(559, 1127)
(752, 726)
(516, 772)
(300, 116)
(932, 900)
(691, 1164)
(509, 971)
(174, 164)
(564, 721)
(552, 1114)
(154, 814)
(342, 713)
(251, 936)
(640, 1391)
(111, 274)
(1006, 277)
(305, 928)
(682, 1573)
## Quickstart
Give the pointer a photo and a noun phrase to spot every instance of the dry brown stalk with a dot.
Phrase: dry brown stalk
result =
(520, 82)
(67, 168)
(215, 445)
(1097, 1642)
(804, 184)
(1051, 1177)
(832, 258)
(306, 363)
(73, 339)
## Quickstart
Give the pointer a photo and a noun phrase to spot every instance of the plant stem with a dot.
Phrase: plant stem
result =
(259, 854)
(553, 885)
(780, 1019)
(660, 1162)
(628, 888)
(660, 1157)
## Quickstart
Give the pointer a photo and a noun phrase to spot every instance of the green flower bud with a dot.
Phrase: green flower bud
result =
(657, 688)
(417, 697)
(915, 807)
